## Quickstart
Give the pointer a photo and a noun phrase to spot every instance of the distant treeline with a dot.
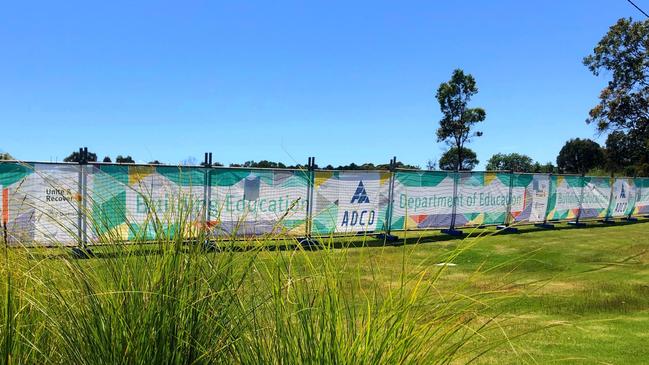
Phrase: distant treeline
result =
(191, 161)
(351, 166)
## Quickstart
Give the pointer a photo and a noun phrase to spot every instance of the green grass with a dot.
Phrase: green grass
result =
(588, 286)
(571, 295)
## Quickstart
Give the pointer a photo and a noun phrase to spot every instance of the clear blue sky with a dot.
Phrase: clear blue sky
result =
(343, 81)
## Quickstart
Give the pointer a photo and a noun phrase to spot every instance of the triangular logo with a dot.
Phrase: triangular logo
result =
(360, 196)
(622, 193)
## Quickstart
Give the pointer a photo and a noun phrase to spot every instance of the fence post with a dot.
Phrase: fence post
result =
(576, 222)
(451, 230)
(386, 236)
(207, 164)
(308, 241)
(545, 223)
(607, 217)
(630, 217)
(506, 226)
(82, 250)
(639, 194)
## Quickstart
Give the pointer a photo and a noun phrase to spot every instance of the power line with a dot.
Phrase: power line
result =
(637, 7)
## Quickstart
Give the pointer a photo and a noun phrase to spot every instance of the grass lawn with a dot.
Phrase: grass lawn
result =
(589, 286)
(581, 293)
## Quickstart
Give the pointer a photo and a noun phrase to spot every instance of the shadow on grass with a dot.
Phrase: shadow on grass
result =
(362, 240)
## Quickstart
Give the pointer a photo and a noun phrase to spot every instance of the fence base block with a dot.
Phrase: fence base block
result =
(209, 246)
(506, 229)
(452, 232)
(630, 219)
(387, 237)
(577, 224)
(82, 253)
(606, 221)
(544, 225)
(309, 243)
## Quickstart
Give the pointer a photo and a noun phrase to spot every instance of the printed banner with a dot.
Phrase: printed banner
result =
(596, 197)
(252, 202)
(623, 199)
(641, 206)
(40, 203)
(539, 192)
(565, 194)
(141, 202)
(350, 201)
(426, 199)
(49, 204)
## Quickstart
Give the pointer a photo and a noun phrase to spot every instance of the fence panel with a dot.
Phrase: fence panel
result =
(483, 198)
(257, 201)
(422, 199)
(41, 203)
(142, 202)
(350, 201)
(565, 197)
(530, 194)
(623, 200)
(595, 200)
(641, 206)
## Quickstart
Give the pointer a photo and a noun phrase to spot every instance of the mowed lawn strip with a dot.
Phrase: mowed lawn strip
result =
(583, 292)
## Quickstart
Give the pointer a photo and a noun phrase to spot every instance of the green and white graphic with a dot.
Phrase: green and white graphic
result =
(138, 201)
(426, 199)
(642, 196)
(595, 198)
(565, 195)
(251, 202)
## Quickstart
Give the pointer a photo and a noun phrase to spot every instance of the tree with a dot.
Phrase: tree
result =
(448, 161)
(624, 103)
(547, 168)
(431, 165)
(455, 127)
(154, 162)
(107, 159)
(122, 159)
(578, 156)
(5, 156)
(75, 157)
(510, 161)
(189, 161)
(620, 152)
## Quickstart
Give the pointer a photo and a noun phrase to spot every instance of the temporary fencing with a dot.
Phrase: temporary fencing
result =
(90, 203)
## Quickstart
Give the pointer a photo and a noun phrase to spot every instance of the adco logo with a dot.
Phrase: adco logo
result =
(360, 195)
(358, 217)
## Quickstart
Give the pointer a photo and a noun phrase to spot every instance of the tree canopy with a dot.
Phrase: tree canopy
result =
(457, 124)
(510, 161)
(448, 161)
(623, 105)
(76, 157)
(5, 156)
(578, 156)
(124, 159)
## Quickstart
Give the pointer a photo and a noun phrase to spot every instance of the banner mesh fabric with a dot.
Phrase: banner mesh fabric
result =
(70, 204)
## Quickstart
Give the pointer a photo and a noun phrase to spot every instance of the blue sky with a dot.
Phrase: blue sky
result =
(283, 80)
